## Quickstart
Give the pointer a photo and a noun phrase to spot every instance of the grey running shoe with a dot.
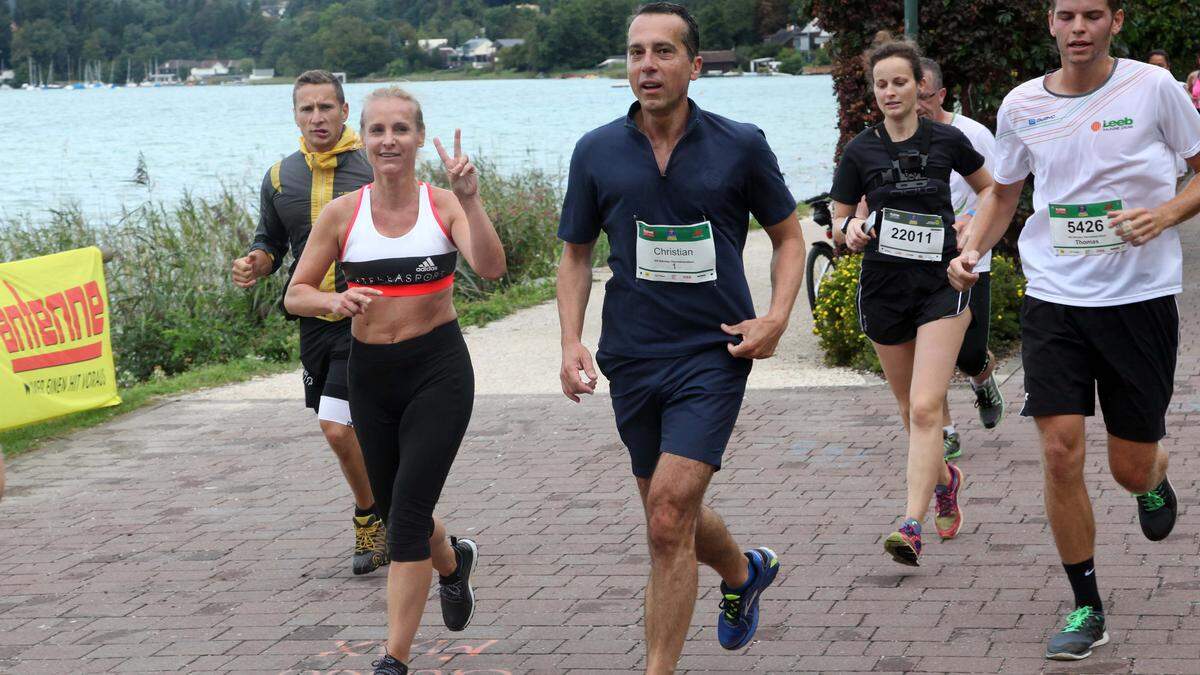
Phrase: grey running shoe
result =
(458, 598)
(389, 666)
(1157, 510)
(990, 402)
(951, 448)
(1084, 629)
(370, 544)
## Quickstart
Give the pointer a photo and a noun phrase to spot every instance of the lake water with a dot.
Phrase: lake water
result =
(82, 146)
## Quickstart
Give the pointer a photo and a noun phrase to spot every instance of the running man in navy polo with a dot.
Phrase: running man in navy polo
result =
(674, 188)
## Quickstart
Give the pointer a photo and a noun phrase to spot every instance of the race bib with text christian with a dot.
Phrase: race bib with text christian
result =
(676, 253)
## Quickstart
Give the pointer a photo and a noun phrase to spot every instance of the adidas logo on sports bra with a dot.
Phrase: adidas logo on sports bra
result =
(427, 266)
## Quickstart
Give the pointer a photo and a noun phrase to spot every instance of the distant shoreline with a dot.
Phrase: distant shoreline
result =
(458, 75)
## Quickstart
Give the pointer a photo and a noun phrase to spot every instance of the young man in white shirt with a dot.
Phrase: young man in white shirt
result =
(974, 357)
(1103, 262)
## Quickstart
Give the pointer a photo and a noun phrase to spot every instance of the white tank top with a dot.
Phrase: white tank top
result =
(420, 262)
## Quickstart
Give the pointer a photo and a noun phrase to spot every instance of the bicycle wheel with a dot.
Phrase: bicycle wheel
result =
(818, 264)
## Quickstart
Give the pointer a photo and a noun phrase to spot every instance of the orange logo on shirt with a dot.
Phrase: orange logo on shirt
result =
(1096, 126)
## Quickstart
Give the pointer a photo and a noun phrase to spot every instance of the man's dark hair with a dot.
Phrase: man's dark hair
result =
(1113, 5)
(933, 72)
(1160, 52)
(319, 77)
(905, 50)
(691, 37)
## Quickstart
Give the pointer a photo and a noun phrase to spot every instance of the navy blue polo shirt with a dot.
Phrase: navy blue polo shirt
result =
(721, 171)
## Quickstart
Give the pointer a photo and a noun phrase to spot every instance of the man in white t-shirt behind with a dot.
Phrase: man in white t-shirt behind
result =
(974, 358)
(1103, 264)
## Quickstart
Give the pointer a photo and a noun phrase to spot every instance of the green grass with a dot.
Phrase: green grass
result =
(504, 302)
(29, 437)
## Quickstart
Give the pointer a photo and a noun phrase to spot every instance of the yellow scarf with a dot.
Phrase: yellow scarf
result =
(328, 160)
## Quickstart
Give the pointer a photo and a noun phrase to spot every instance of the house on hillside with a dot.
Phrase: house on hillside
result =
(478, 52)
(810, 38)
(611, 62)
(430, 44)
(262, 74)
(167, 73)
(444, 56)
(7, 74)
(274, 10)
(209, 68)
(718, 62)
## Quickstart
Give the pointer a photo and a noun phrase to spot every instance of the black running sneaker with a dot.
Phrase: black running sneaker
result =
(1157, 510)
(1084, 629)
(989, 401)
(458, 598)
(389, 666)
(370, 544)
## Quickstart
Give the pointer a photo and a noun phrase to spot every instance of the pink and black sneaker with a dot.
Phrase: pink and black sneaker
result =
(904, 545)
(949, 518)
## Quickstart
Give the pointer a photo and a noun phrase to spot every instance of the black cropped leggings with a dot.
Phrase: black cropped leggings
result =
(411, 403)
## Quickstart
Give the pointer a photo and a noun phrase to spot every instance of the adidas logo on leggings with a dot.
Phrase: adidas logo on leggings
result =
(427, 266)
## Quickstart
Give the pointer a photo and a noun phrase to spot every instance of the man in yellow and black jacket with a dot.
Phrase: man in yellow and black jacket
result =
(327, 165)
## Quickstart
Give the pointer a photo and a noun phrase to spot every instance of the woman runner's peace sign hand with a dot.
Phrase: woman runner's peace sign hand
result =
(459, 169)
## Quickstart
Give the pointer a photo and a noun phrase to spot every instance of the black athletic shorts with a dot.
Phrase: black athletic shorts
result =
(1124, 352)
(324, 348)
(895, 299)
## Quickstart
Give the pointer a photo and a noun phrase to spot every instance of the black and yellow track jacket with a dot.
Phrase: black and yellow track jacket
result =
(293, 193)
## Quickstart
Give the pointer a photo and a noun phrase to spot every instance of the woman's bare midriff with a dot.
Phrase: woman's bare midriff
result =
(390, 320)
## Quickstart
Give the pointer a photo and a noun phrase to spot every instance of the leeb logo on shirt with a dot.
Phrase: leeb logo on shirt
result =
(1113, 125)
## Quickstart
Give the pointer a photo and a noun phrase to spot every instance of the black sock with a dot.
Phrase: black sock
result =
(454, 577)
(363, 512)
(1083, 582)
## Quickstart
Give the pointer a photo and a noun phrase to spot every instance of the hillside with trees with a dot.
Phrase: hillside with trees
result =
(360, 37)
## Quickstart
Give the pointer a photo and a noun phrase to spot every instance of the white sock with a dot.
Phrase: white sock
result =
(949, 431)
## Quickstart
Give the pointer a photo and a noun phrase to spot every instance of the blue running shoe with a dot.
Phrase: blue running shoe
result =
(739, 608)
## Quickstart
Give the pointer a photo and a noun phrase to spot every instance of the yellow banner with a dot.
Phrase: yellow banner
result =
(55, 337)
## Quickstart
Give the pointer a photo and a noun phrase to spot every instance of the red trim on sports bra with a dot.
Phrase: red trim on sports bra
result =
(346, 237)
(436, 215)
(409, 290)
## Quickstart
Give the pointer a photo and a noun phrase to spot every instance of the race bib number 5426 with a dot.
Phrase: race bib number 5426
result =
(1082, 229)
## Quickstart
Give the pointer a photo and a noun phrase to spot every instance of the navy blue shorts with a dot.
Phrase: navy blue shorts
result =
(684, 406)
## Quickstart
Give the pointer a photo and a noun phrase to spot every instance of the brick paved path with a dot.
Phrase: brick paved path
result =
(212, 536)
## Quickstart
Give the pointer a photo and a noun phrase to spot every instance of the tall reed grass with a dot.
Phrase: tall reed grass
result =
(174, 305)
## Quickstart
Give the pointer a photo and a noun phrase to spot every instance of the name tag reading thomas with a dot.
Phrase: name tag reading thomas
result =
(916, 236)
(682, 254)
(1082, 229)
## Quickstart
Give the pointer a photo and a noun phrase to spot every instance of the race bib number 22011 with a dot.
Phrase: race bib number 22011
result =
(915, 236)
(676, 253)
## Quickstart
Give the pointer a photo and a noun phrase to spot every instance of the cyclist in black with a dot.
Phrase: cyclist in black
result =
(906, 306)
